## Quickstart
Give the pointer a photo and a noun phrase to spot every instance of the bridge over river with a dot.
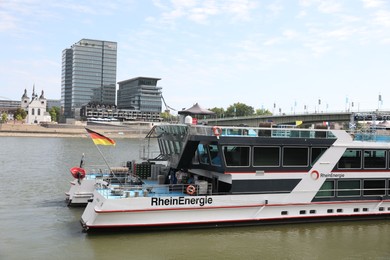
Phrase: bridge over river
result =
(307, 119)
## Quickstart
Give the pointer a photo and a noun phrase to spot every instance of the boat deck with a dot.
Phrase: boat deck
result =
(148, 189)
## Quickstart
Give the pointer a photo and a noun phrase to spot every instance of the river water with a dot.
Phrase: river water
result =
(35, 222)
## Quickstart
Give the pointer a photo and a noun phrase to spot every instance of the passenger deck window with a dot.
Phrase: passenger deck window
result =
(214, 155)
(295, 156)
(375, 159)
(236, 155)
(326, 190)
(266, 156)
(348, 188)
(374, 187)
(351, 159)
(203, 154)
(316, 153)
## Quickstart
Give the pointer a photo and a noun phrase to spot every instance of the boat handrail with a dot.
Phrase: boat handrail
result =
(239, 131)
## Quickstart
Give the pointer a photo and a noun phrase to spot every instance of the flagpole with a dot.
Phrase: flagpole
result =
(111, 171)
(105, 141)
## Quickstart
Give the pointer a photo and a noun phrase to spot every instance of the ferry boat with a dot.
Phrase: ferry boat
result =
(227, 176)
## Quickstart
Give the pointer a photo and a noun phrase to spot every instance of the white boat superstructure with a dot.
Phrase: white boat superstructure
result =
(245, 176)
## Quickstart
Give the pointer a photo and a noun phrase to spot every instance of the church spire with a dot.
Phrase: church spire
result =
(25, 94)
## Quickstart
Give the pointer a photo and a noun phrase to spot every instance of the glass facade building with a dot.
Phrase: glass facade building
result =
(88, 75)
(140, 94)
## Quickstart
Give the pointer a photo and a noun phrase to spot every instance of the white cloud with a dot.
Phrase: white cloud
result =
(240, 9)
(341, 34)
(327, 6)
(373, 3)
(7, 22)
(382, 18)
(302, 14)
(290, 34)
(201, 11)
(272, 41)
(275, 8)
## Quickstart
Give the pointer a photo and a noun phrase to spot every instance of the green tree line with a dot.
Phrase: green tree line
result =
(239, 109)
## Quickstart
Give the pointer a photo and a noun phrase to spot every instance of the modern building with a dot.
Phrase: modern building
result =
(53, 103)
(141, 94)
(9, 104)
(88, 75)
(8, 107)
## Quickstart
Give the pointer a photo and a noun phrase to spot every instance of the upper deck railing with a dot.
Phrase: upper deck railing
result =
(172, 138)
(272, 132)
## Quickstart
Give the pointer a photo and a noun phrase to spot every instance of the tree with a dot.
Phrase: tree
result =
(219, 111)
(54, 114)
(239, 109)
(263, 112)
(4, 117)
(167, 116)
(20, 114)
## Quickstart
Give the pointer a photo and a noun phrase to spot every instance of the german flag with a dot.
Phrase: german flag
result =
(99, 139)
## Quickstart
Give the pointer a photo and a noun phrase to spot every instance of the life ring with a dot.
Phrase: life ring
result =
(315, 175)
(191, 189)
(78, 173)
(217, 131)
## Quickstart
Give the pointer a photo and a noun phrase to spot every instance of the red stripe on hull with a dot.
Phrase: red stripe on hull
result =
(280, 220)
(243, 206)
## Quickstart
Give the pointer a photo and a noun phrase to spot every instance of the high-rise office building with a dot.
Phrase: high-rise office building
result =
(88, 75)
(140, 94)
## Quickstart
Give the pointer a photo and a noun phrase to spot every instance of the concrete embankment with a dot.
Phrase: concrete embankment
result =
(65, 130)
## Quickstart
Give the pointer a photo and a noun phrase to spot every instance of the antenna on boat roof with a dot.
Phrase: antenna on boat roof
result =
(166, 104)
(82, 161)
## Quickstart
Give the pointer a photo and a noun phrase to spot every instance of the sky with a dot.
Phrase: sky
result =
(287, 56)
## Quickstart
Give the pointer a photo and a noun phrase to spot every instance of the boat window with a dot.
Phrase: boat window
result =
(326, 190)
(374, 159)
(214, 155)
(348, 188)
(177, 147)
(351, 159)
(295, 156)
(236, 155)
(203, 154)
(170, 147)
(164, 146)
(316, 153)
(195, 159)
(374, 187)
(266, 156)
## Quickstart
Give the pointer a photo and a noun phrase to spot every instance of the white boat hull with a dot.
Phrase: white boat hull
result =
(81, 192)
(141, 212)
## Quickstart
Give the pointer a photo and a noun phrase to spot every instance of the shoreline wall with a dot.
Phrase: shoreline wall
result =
(126, 131)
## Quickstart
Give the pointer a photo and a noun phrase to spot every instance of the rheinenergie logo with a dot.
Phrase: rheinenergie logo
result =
(181, 201)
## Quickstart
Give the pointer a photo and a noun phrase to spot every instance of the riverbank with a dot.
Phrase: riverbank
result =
(71, 130)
